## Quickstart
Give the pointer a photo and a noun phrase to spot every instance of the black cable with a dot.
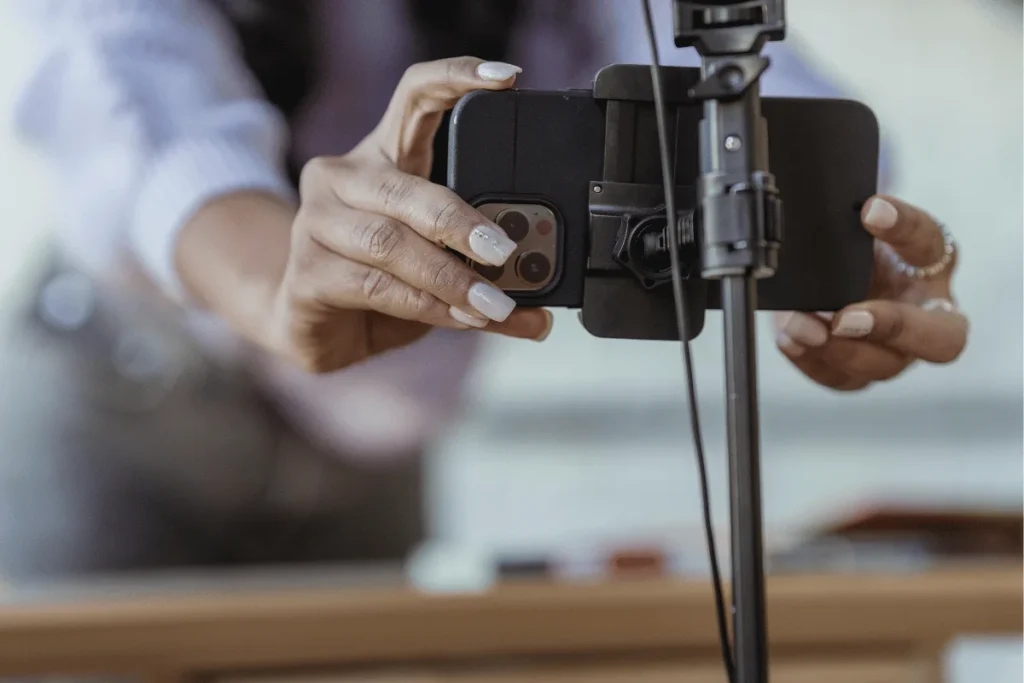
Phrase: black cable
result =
(683, 323)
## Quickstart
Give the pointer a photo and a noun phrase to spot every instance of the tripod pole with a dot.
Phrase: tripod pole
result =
(739, 301)
(741, 232)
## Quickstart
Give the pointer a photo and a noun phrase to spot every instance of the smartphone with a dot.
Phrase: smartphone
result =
(536, 163)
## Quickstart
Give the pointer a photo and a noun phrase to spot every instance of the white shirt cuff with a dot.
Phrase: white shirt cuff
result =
(182, 180)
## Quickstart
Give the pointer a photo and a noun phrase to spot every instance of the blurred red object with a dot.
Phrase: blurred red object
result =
(637, 563)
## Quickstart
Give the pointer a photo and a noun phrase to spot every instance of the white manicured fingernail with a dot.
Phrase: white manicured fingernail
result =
(491, 301)
(497, 71)
(547, 330)
(826, 315)
(491, 245)
(939, 305)
(881, 214)
(460, 316)
(789, 346)
(805, 329)
(854, 324)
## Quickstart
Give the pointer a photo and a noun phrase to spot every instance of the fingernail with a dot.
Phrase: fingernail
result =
(881, 214)
(550, 321)
(491, 245)
(939, 305)
(826, 315)
(784, 342)
(804, 329)
(854, 324)
(460, 316)
(491, 301)
(497, 71)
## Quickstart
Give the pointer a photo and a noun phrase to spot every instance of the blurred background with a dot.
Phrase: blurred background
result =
(553, 453)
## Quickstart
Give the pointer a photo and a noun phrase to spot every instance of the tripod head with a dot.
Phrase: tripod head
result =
(740, 211)
(728, 27)
(738, 219)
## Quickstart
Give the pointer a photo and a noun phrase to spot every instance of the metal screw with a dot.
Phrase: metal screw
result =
(597, 189)
(731, 77)
(733, 143)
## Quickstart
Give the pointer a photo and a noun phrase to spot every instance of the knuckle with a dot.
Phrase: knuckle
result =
(421, 304)
(446, 275)
(381, 240)
(415, 78)
(394, 190)
(459, 71)
(445, 219)
(414, 73)
(376, 284)
(313, 176)
(452, 70)
(319, 176)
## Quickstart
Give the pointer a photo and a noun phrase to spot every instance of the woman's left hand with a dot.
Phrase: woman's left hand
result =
(909, 314)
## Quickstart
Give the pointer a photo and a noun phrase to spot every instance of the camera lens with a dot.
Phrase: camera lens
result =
(533, 267)
(515, 224)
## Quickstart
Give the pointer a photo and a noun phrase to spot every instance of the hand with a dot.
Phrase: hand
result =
(904, 320)
(368, 270)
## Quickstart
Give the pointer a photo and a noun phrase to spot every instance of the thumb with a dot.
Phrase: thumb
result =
(406, 132)
(525, 323)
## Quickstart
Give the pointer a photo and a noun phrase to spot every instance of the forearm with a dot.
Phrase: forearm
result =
(231, 255)
(156, 128)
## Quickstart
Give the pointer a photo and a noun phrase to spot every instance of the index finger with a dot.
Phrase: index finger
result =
(426, 91)
(433, 211)
(436, 86)
(914, 235)
(936, 336)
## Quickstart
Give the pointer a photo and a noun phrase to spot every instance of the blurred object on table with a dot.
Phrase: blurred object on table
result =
(908, 539)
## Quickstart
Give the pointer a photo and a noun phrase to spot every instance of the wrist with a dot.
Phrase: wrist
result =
(231, 257)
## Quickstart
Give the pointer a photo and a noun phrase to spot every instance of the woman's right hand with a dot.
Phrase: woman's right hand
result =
(368, 269)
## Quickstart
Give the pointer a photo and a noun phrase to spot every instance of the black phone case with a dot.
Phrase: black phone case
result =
(519, 145)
